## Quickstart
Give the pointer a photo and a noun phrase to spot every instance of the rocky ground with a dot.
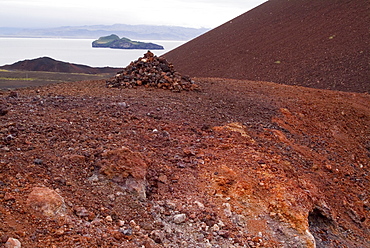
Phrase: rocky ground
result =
(235, 164)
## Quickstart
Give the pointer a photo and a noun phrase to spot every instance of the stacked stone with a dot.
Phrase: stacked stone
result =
(151, 71)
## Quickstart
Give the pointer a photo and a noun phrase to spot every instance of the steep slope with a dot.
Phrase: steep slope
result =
(314, 43)
(52, 65)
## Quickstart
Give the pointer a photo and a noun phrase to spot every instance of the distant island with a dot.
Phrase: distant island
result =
(113, 41)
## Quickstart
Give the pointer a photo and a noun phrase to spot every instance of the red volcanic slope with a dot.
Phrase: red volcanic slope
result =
(314, 43)
(51, 65)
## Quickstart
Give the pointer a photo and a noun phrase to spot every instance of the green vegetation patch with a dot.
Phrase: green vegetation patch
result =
(17, 79)
(105, 41)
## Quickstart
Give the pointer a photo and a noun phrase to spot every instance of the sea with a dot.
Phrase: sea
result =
(77, 51)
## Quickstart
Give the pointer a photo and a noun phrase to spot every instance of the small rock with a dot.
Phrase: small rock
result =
(109, 218)
(261, 162)
(181, 165)
(157, 236)
(9, 196)
(3, 111)
(81, 212)
(13, 94)
(220, 224)
(94, 178)
(9, 137)
(167, 229)
(75, 158)
(162, 178)
(200, 205)
(96, 222)
(38, 161)
(122, 104)
(126, 231)
(179, 218)
(12, 243)
(121, 223)
(132, 223)
(171, 205)
(117, 235)
(240, 220)
(91, 216)
(227, 209)
(189, 152)
(59, 231)
(6, 149)
(192, 216)
(112, 197)
(224, 234)
(4, 238)
(215, 228)
(60, 180)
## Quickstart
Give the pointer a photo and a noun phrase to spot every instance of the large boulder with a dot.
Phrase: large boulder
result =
(46, 202)
(126, 168)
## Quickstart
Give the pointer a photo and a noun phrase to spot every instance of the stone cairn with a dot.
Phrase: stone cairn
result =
(151, 71)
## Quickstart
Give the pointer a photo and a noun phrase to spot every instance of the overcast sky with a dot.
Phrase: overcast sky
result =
(188, 13)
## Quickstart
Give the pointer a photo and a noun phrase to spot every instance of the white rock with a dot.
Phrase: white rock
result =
(12, 243)
(215, 228)
(200, 205)
(122, 104)
(179, 218)
(171, 205)
(227, 209)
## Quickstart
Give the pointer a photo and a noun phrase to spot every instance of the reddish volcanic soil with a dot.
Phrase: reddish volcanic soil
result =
(237, 164)
(314, 43)
(234, 163)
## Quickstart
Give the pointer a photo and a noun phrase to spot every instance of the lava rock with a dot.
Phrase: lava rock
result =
(46, 202)
(3, 111)
(151, 71)
(38, 161)
(179, 218)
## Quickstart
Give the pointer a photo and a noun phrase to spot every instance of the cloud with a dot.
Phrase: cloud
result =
(191, 13)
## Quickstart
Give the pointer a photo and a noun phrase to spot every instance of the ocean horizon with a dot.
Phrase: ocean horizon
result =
(77, 51)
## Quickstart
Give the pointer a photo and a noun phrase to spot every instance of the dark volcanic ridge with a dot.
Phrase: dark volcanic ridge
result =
(319, 44)
(52, 65)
